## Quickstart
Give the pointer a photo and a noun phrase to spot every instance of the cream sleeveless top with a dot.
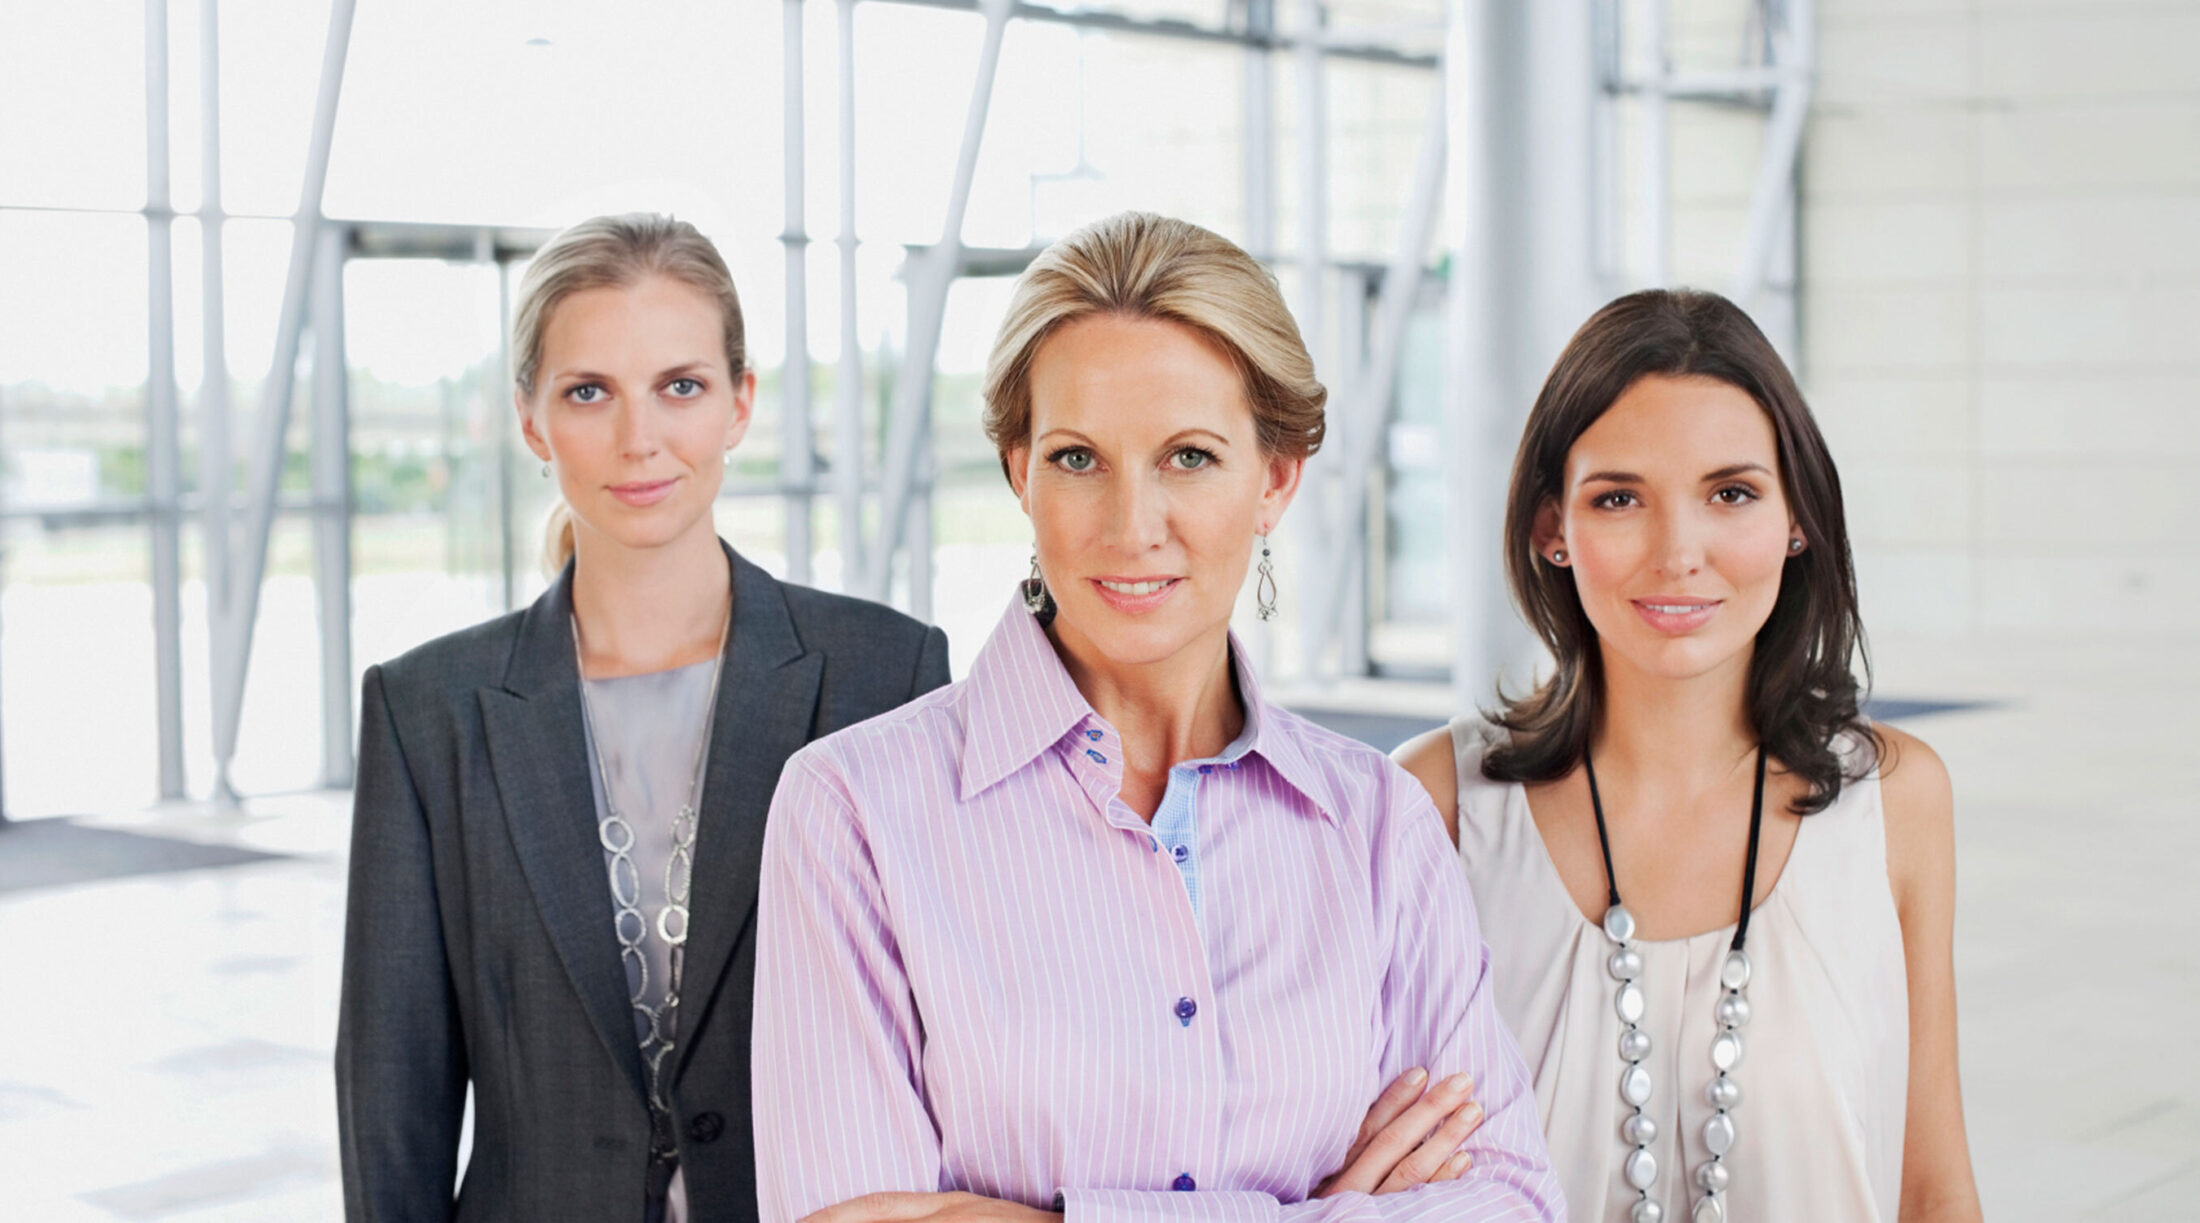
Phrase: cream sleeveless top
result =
(1825, 1074)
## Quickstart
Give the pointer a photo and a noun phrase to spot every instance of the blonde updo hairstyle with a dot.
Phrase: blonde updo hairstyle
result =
(614, 252)
(1139, 265)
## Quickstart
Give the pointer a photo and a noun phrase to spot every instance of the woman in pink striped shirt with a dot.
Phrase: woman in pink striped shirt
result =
(1098, 929)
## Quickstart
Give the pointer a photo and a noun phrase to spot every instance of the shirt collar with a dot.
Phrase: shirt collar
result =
(1020, 702)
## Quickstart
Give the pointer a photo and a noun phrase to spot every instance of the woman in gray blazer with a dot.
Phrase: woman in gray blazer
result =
(559, 813)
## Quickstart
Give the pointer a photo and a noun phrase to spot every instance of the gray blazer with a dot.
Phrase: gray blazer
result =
(478, 943)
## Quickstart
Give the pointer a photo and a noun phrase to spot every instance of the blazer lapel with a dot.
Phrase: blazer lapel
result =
(539, 756)
(767, 701)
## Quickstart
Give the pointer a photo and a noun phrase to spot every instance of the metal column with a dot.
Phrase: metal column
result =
(217, 463)
(233, 628)
(795, 448)
(848, 376)
(163, 445)
(929, 277)
(332, 504)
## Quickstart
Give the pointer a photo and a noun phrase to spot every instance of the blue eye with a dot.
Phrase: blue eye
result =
(685, 388)
(1191, 458)
(587, 392)
(1074, 459)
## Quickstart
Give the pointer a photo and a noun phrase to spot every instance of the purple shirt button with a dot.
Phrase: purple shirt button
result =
(1181, 852)
(1185, 1009)
(1184, 1183)
(1097, 758)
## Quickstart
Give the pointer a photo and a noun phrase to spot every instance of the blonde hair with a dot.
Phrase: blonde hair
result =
(614, 252)
(1140, 265)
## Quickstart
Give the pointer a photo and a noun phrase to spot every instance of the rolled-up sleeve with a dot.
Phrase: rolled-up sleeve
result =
(837, 1046)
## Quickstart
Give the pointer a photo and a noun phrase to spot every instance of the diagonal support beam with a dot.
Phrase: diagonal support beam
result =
(232, 654)
(930, 273)
(1772, 198)
(1369, 400)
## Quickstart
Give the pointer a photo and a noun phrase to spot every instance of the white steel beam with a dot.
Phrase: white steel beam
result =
(331, 463)
(163, 441)
(795, 451)
(1657, 151)
(929, 275)
(848, 377)
(217, 461)
(1366, 404)
(1772, 197)
(1473, 358)
(232, 652)
(1319, 545)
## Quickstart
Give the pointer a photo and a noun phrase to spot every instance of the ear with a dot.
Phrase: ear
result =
(744, 407)
(527, 431)
(1281, 487)
(1548, 535)
(1018, 462)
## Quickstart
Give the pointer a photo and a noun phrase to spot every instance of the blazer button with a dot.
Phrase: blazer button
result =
(705, 1127)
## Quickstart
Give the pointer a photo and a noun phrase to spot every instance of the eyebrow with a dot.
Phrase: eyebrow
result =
(1174, 438)
(585, 375)
(1627, 477)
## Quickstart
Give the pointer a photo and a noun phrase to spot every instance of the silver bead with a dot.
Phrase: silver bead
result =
(1723, 1093)
(1646, 1211)
(1634, 1086)
(1711, 1174)
(1718, 1134)
(1619, 924)
(1709, 1209)
(1639, 1130)
(1732, 1011)
(1625, 964)
(1630, 1002)
(1641, 1169)
(1734, 974)
(1634, 1045)
(1726, 1050)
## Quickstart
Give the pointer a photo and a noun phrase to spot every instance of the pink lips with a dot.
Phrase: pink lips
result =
(1676, 615)
(1131, 604)
(643, 492)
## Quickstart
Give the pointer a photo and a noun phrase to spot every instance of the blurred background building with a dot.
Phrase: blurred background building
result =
(256, 259)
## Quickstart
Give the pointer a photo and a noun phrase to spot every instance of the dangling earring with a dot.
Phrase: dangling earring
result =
(1037, 600)
(726, 459)
(546, 470)
(1264, 593)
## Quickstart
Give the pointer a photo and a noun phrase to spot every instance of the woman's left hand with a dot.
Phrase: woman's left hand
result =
(930, 1208)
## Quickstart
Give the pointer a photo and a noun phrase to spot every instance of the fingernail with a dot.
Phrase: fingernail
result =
(1458, 1083)
(1472, 1112)
(1416, 1076)
(1458, 1163)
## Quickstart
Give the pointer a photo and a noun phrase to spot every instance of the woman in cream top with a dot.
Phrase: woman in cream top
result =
(1719, 901)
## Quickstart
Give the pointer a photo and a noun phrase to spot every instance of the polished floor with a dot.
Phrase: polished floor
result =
(165, 1038)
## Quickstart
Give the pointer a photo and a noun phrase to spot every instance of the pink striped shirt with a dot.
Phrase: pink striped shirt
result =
(977, 971)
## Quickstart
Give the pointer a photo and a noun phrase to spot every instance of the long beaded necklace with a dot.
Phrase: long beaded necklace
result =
(1723, 1093)
(632, 926)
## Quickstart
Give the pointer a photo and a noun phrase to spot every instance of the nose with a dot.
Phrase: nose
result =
(1140, 514)
(1679, 543)
(637, 430)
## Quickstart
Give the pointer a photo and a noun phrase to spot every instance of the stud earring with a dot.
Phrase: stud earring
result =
(1795, 546)
(1558, 556)
(1264, 593)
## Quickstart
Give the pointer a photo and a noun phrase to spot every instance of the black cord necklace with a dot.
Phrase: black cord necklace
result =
(1723, 1093)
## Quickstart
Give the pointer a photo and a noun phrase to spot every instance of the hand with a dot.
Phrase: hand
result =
(1411, 1137)
(930, 1208)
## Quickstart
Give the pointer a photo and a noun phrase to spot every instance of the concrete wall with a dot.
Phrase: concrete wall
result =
(2001, 309)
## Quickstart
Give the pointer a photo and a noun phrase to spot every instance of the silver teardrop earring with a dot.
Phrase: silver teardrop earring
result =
(1264, 594)
(546, 470)
(1037, 600)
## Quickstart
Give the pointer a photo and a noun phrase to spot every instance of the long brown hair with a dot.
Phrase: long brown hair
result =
(1803, 688)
